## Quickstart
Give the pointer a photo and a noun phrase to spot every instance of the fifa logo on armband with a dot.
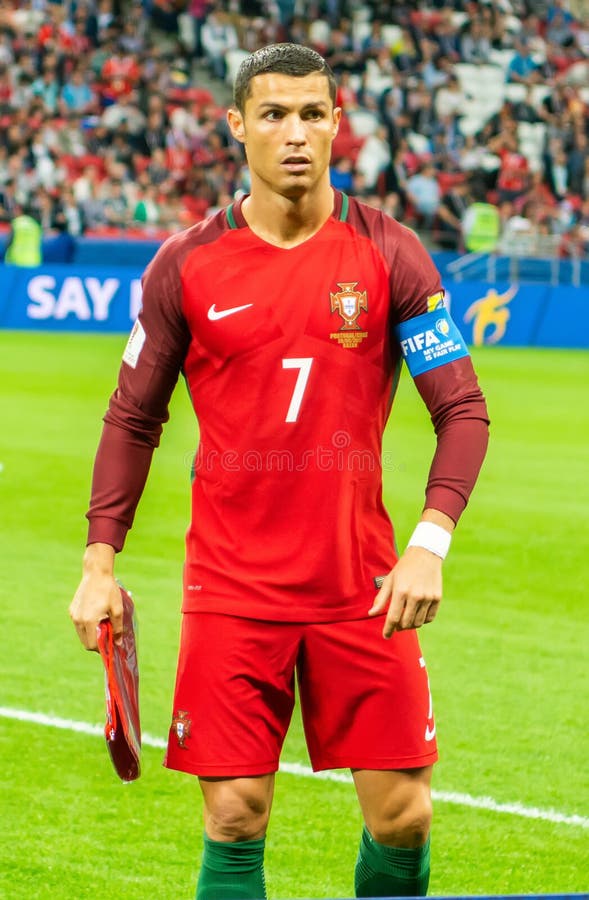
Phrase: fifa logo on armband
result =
(429, 340)
(349, 303)
(419, 341)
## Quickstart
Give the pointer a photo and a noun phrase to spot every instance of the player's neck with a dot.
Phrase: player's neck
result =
(285, 221)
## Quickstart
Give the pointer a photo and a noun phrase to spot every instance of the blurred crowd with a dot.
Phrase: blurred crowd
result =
(112, 112)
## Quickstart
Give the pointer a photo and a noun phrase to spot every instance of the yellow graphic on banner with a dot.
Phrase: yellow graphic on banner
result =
(490, 312)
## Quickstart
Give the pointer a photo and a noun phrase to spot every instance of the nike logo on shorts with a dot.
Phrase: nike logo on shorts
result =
(214, 314)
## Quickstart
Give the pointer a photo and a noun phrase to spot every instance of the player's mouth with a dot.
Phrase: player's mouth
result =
(296, 163)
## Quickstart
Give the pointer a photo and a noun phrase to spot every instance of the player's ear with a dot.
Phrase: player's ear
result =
(337, 114)
(235, 122)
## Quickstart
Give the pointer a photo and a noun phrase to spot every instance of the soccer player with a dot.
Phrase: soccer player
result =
(289, 314)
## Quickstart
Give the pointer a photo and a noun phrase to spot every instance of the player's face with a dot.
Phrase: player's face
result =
(287, 128)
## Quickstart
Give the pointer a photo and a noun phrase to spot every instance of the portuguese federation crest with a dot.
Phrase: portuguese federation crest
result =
(181, 724)
(349, 303)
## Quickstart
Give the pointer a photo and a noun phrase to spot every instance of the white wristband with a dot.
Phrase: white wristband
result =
(431, 537)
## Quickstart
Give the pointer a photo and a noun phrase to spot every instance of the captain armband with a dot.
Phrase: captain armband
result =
(429, 341)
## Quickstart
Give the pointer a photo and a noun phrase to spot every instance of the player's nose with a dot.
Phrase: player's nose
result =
(296, 133)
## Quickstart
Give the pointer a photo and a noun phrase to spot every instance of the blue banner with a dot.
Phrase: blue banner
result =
(69, 298)
(95, 298)
(520, 315)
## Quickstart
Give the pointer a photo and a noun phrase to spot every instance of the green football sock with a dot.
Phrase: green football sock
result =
(391, 871)
(232, 871)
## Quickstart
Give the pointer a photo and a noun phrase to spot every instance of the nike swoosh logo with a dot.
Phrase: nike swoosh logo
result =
(430, 733)
(214, 314)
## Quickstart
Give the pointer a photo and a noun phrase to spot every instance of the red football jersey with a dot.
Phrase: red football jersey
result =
(292, 363)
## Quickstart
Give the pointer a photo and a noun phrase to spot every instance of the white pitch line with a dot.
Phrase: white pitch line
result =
(458, 799)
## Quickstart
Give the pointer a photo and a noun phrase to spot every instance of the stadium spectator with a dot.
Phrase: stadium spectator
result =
(341, 174)
(392, 205)
(43, 208)
(347, 96)
(105, 19)
(585, 179)
(475, 43)
(577, 155)
(558, 173)
(6, 49)
(198, 10)
(436, 70)
(522, 69)
(69, 214)
(92, 207)
(450, 98)
(447, 37)
(423, 192)
(394, 179)
(119, 75)
(446, 143)
(530, 34)
(405, 52)
(286, 10)
(513, 178)
(76, 95)
(152, 136)
(341, 53)
(24, 246)
(133, 37)
(158, 168)
(46, 87)
(525, 110)
(374, 157)
(164, 23)
(540, 196)
(481, 225)
(218, 37)
(450, 214)
(374, 42)
(147, 208)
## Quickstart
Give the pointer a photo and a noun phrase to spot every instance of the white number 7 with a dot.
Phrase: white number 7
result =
(304, 365)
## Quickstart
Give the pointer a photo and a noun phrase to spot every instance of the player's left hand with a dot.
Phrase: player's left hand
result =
(412, 591)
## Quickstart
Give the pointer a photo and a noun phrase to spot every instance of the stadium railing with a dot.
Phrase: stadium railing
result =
(515, 267)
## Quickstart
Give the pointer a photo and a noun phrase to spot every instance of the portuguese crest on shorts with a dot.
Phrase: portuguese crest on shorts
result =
(349, 303)
(181, 724)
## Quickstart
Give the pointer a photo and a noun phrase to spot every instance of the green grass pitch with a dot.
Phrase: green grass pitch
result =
(507, 655)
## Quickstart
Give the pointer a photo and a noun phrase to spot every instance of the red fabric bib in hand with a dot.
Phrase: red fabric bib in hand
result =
(122, 729)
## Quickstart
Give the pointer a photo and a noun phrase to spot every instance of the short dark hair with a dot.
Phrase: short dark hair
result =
(286, 59)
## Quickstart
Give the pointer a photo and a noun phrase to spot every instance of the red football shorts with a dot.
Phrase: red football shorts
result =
(365, 701)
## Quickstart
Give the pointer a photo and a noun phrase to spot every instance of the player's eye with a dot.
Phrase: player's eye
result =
(273, 115)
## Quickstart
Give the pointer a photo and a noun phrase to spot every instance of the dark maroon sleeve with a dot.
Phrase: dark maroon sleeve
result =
(459, 415)
(139, 406)
(451, 391)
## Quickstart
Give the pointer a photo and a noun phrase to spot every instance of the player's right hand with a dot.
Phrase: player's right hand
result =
(98, 597)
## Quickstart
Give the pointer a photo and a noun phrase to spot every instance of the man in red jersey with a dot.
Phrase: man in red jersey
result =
(290, 313)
